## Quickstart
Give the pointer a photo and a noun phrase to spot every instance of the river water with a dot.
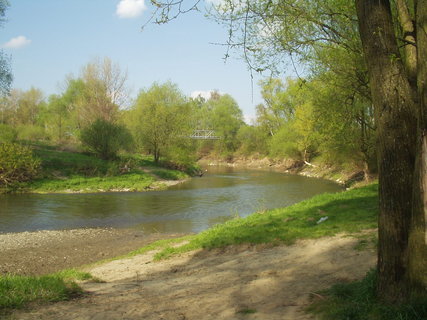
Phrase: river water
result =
(221, 194)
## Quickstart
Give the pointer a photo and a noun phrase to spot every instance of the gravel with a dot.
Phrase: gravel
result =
(42, 252)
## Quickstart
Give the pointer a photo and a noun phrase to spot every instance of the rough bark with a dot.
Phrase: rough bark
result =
(394, 105)
(407, 25)
(417, 253)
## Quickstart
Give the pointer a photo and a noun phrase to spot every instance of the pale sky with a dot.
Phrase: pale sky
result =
(50, 39)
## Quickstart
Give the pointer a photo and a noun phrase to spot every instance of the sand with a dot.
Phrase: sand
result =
(239, 282)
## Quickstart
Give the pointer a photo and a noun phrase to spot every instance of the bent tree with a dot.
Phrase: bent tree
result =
(392, 36)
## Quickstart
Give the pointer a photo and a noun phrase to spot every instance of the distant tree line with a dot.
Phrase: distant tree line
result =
(299, 119)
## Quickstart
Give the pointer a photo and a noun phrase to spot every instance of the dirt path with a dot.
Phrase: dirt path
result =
(236, 283)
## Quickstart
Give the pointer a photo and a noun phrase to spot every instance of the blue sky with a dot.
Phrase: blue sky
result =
(50, 39)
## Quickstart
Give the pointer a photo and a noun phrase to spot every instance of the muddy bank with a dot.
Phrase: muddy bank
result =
(42, 252)
(338, 175)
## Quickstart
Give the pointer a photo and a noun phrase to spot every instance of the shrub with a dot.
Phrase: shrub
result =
(7, 133)
(106, 139)
(17, 164)
(32, 133)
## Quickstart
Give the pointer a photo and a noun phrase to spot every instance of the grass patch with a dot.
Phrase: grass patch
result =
(156, 245)
(168, 174)
(17, 291)
(66, 171)
(128, 182)
(357, 301)
(350, 211)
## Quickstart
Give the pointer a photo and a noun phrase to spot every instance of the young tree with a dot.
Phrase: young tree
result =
(160, 118)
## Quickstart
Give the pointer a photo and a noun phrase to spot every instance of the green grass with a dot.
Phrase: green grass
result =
(168, 174)
(156, 245)
(129, 182)
(17, 291)
(357, 301)
(350, 212)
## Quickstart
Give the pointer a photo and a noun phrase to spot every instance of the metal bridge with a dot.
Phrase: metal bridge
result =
(204, 135)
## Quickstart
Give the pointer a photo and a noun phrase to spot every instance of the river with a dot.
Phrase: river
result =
(221, 194)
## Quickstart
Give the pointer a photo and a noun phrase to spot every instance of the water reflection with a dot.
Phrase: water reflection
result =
(189, 207)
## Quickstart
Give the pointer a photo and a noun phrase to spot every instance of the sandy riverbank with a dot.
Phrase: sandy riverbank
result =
(239, 282)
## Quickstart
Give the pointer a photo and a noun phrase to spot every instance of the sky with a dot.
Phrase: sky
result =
(50, 39)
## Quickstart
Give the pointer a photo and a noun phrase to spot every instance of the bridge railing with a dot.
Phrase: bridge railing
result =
(204, 134)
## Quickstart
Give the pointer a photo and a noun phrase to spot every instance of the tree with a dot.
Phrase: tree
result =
(398, 87)
(160, 119)
(267, 30)
(101, 92)
(5, 72)
(225, 116)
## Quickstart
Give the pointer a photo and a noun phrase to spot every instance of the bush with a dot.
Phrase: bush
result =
(17, 164)
(106, 139)
(32, 133)
(7, 133)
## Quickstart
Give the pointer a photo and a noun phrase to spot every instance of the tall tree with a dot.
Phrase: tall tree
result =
(5, 72)
(266, 30)
(102, 91)
(399, 111)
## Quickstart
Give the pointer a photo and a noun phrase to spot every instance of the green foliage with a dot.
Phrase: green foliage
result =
(17, 164)
(29, 132)
(252, 140)
(351, 211)
(7, 133)
(5, 72)
(160, 121)
(106, 139)
(222, 114)
(284, 144)
(358, 301)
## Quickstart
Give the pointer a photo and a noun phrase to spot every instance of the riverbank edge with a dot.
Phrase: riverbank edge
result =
(157, 185)
(345, 177)
(362, 239)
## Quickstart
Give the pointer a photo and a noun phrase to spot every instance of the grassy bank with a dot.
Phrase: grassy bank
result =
(66, 171)
(350, 212)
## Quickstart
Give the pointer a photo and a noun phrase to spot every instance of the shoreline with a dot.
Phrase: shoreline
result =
(156, 186)
(47, 251)
(340, 176)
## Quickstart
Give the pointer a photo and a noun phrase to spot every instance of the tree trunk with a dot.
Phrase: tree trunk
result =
(394, 107)
(417, 253)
